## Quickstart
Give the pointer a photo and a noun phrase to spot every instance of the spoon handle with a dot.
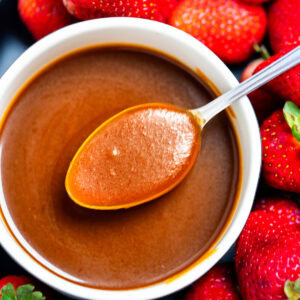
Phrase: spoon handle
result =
(279, 66)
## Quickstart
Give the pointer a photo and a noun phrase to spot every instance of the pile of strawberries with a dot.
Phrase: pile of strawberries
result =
(267, 258)
(267, 255)
(229, 28)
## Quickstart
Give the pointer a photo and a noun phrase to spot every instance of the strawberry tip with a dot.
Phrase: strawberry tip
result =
(291, 114)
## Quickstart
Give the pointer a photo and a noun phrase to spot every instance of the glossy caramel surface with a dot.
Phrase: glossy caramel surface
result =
(134, 157)
(122, 249)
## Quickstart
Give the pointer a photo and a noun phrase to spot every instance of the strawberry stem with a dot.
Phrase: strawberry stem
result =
(291, 114)
(262, 50)
(292, 289)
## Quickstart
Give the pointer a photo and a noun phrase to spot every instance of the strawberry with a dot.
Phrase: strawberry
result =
(287, 85)
(267, 258)
(281, 149)
(250, 68)
(262, 101)
(42, 17)
(284, 24)
(255, 1)
(21, 288)
(282, 208)
(218, 283)
(228, 27)
(157, 10)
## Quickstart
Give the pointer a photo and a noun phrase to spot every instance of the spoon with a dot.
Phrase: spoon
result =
(144, 151)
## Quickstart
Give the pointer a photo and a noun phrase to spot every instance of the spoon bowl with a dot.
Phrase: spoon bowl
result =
(114, 168)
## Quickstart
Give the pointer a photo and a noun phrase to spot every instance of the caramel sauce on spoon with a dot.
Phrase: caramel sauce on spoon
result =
(134, 157)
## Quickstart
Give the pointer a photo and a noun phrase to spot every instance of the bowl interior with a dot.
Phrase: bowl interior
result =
(189, 51)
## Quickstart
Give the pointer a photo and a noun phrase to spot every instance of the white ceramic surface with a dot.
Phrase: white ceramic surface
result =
(187, 50)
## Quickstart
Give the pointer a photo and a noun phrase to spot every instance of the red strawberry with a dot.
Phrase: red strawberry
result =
(218, 283)
(281, 149)
(282, 208)
(262, 101)
(260, 229)
(228, 27)
(157, 10)
(9, 285)
(255, 1)
(284, 24)
(267, 256)
(287, 85)
(250, 68)
(43, 16)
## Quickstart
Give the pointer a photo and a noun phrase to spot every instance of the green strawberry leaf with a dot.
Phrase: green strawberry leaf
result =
(292, 289)
(38, 296)
(291, 114)
(6, 298)
(8, 292)
(24, 292)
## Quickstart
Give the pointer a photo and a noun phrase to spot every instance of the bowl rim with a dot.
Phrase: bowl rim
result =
(241, 214)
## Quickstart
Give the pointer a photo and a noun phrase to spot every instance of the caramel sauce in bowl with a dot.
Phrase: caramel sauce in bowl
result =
(187, 51)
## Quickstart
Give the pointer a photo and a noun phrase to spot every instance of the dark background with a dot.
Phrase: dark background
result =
(14, 40)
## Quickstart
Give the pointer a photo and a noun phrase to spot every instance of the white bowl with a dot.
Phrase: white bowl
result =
(192, 53)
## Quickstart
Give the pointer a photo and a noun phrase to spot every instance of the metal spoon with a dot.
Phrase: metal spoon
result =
(145, 151)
